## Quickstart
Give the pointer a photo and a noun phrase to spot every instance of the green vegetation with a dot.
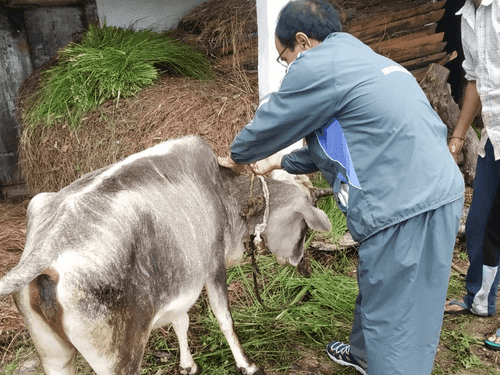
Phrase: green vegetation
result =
(304, 313)
(328, 205)
(109, 63)
(456, 286)
(460, 343)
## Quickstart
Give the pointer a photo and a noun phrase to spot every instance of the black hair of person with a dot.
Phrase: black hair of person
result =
(315, 18)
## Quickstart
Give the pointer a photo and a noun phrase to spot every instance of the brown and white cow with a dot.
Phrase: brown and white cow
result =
(129, 247)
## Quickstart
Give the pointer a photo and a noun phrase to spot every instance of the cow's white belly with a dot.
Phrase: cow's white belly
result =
(170, 312)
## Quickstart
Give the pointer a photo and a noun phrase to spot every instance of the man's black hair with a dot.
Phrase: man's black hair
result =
(315, 18)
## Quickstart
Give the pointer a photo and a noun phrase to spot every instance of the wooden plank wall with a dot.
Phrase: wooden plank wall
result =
(31, 32)
(403, 30)
(15, 67)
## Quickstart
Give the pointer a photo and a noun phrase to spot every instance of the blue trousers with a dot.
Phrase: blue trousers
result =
(482, 231)
(403, 276)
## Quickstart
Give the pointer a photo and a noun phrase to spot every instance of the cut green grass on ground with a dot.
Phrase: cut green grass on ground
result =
(304, 313)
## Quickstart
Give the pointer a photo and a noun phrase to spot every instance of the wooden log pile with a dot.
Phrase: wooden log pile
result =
(435, 86)
(402, 30)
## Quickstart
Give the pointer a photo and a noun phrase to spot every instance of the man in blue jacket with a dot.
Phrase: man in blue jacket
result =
(373, 134)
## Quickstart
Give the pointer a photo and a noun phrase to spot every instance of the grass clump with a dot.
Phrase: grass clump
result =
(109, 63)
(456, 288)
(329, 206)
(460, 345)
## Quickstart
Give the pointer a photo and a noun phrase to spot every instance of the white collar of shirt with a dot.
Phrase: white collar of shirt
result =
(468, 13)
(470, 6)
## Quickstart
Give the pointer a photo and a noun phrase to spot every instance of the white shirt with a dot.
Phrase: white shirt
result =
(481, 45)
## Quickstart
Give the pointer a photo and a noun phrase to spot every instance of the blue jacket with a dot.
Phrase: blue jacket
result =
(368, 123)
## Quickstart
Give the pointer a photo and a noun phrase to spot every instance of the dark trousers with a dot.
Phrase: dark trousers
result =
(483, 237)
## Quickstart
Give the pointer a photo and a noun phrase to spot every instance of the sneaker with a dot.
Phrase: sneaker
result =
(341, 354)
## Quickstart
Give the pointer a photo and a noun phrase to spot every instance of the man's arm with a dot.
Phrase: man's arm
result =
(470, 108)
(304, 103)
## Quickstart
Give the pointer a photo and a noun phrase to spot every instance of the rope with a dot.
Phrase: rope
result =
(256, 239)
(260, 228)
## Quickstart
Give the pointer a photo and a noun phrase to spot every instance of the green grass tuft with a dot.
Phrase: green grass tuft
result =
(329, 206)
(109, 63)
(460, 344)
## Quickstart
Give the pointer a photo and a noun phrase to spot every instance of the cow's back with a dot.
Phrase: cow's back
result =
(141, 231)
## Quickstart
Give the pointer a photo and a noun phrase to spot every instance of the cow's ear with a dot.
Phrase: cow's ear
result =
(316, 219)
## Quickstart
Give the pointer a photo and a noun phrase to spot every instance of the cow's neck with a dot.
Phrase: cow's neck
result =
(238, 188)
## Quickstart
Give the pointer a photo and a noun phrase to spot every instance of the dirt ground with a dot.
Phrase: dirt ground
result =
(313, 363)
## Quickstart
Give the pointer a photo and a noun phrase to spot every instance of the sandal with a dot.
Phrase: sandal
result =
(492, 344)
(457, 302)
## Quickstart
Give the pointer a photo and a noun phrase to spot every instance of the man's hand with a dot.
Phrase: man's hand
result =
(228, 162)
(455, 146)
(267, 165)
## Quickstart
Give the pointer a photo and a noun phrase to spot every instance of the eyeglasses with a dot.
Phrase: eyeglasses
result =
(280, 61)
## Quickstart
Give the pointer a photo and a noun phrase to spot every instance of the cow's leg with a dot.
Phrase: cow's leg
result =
(217, 295)
(108, 353)
(57, 355)
(181, 325)
(111, 346)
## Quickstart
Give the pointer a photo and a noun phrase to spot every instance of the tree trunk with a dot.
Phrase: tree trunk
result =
(435, 86)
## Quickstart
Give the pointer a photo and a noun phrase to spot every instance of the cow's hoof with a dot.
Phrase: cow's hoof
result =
(258, 372)
(190, 370)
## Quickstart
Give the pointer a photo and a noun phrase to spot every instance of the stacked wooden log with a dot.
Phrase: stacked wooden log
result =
(403, 30)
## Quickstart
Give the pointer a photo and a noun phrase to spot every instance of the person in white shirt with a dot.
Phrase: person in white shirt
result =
(481, 45)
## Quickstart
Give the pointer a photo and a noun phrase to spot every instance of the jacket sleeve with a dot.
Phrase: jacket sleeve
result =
(299, 162)
(302, 105)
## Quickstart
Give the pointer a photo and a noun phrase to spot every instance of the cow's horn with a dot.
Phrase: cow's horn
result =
(317, 193)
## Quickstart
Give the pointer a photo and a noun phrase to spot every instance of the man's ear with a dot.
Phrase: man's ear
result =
(303, 41)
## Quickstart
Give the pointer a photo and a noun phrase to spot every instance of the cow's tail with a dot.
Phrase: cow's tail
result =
(35, 258)
(21, 275)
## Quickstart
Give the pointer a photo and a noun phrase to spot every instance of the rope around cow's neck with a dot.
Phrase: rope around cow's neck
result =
(256, 239)
(260, 228)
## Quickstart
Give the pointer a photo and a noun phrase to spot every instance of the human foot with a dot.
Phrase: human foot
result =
(493, 342)
(456, 307)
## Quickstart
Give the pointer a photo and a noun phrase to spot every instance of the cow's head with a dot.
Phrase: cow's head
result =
(292, 211)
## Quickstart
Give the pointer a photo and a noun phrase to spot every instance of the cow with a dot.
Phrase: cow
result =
(129, 247)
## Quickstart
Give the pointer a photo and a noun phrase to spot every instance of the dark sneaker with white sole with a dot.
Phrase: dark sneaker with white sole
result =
(341, 354)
